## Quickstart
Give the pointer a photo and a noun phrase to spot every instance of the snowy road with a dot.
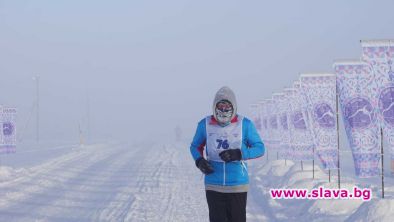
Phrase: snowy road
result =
(108, 183)
(149, 183)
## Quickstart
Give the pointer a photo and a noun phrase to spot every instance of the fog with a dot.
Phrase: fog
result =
(133, 70)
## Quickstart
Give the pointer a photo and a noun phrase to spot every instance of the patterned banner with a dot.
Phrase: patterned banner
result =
(7, 130)
(289, 94)
(319, 92)
(265, 116)
(282, 110)
(272, 123)
(301, 137)
(276, 97)
(380, 55)
(255, 115)
(263, 121)
(357, 98)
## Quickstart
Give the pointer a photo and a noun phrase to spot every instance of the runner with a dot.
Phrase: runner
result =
(228, 139)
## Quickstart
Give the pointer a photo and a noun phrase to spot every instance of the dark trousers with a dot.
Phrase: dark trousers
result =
(226, 207)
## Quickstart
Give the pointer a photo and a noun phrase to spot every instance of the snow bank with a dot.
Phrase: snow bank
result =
(277, 174)
(8, 173)
(374, 210)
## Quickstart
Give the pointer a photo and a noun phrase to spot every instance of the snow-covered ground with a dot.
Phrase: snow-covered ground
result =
(159, 182)
(281, 174)
(106, 182)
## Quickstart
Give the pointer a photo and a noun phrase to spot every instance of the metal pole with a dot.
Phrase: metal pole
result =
(313, 169)
(302, 166)
(81, 142)
(339, 170)
(329, 175)
(38, 108)
(88, 134)
(381, 151)
(267, 155)
(277, 155)
(313, 162)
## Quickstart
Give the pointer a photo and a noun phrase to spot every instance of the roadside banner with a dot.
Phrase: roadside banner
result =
(301, 137)
(319, 93)
(357, 97)
(379, 54)
(7, 130)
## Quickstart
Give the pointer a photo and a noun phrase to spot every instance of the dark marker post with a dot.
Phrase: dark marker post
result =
(382, 156)
(339, 170)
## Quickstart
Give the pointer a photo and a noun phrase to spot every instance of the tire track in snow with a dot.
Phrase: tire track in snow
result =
(103, 190)
(37, 180)
(152, 183)
(56, 187)
(165, 189)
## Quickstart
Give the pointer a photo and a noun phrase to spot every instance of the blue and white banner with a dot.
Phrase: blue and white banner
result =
(7, 130)
(301, 137)
(282, 110)
(255, 116)
(380, 56)
(357, 97)
(265, 116)
(289, 94)
(272, 118)
(263, 120)
(319, 92)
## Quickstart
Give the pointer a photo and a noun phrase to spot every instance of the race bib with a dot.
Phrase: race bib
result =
(222, 138)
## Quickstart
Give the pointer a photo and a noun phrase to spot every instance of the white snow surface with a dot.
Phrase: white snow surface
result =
(106, 182)
(159, 182)
(281, 174)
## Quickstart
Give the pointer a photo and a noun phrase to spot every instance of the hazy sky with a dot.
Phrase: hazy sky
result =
(147, 66)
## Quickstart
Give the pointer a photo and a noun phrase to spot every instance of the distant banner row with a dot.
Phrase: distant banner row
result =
(8, 130)
(302, 121)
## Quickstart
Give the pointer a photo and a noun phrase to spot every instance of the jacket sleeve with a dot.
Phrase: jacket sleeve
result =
(198, 144)
(252, 146)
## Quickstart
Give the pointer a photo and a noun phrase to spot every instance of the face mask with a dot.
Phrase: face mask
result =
(224, 111)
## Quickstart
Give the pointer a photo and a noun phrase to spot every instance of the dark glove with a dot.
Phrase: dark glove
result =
(204, 166)
(230, 155)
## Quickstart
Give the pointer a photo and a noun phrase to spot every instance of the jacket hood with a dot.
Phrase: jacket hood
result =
(225, 93)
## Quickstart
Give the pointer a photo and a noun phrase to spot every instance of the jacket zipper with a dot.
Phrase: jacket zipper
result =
(224, 173)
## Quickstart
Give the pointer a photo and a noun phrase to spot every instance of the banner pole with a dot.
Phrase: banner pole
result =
(313, 163)
(313, 169)
(382, 156)
(37, 78)
(267, 155)
(339, 170)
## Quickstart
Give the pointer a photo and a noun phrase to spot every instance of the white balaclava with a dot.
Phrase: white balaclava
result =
(226, 94)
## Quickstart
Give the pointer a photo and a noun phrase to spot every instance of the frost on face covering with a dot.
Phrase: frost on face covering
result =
(224, 111)
(224, 105)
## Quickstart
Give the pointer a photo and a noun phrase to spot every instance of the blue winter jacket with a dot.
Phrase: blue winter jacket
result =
(231, 173)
